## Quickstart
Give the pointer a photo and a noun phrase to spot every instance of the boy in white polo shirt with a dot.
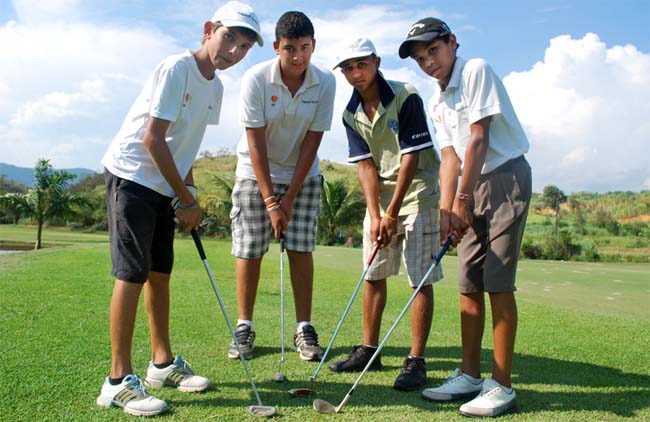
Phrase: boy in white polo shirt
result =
(149, 183)
(287, 104)
(479, 133)
(398, 168)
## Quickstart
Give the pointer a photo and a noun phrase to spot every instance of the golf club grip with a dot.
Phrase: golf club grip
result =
(281, 243)
(444, 249)
(197, 242)
(372, 255)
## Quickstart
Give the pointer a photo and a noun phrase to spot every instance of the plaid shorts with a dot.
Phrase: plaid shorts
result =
(251, 225)
(417, 241)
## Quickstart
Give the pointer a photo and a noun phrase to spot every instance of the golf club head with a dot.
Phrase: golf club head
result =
(321, 406)
(279, 377)
(266, 411)
(301, 392)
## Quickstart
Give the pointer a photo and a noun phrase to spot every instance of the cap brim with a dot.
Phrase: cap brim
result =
(405, 47)
(240, 24)
(352, 56)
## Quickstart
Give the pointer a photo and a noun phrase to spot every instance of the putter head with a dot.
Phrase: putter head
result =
(301, 392)
(321, 406)
(266, 411)
(279, 377)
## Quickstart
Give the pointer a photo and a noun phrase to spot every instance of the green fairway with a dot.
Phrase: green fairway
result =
(581, 352)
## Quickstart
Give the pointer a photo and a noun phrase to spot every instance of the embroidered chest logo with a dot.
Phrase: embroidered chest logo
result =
(393, 126)
(186, 99)
(274, 99)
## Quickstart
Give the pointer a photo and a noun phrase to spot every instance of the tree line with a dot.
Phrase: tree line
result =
(582, 226)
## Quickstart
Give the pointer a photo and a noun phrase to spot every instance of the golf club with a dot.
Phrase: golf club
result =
(279, 377)
(299, 392)
(321, 406)
(260, 409)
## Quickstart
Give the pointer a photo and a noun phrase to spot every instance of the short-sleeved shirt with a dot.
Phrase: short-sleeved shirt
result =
(399, 127)
(473, 93)
(267, 102)
(177, 92)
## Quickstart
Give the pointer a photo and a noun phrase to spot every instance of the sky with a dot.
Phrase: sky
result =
(577, 72)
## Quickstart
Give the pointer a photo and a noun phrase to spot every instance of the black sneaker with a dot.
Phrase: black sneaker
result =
(245, 337)
(413, 375)
(305, 342)
(357, 360)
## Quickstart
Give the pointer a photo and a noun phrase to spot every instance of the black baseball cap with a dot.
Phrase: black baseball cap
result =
(425, 30)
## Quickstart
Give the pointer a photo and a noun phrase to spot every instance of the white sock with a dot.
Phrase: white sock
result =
(370, 347)
(301, 324)
(245, 321)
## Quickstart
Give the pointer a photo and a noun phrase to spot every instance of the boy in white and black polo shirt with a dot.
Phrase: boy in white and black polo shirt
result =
(148, 184)
(287, 104)
(398, 171)
(478, 132)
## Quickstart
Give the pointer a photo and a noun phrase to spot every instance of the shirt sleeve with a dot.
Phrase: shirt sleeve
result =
(251, 112)
(358, 148)
(481, 91)
(169, 91)
(323, 118)
(413, 130)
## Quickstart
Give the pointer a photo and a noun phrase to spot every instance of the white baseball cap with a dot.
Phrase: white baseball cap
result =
(238, 14)
(360, 47)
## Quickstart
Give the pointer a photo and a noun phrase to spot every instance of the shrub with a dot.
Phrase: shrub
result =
(532, 250)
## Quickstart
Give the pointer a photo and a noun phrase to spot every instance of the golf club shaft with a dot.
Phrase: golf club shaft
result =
(436, 261)
(281, 300)
(346, 311)
(199, 247)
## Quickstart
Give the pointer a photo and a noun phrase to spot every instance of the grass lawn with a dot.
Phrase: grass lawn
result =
(581, 353)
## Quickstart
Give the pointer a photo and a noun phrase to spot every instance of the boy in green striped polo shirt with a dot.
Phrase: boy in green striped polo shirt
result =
(390, 142)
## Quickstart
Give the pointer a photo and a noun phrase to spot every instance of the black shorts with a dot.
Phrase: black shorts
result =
(141, 229)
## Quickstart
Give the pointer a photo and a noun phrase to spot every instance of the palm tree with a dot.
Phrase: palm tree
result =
(339, 208)
(218, 206)
(48, 199)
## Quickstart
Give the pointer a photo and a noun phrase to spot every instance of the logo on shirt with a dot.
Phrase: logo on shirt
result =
(188, 97)
(392, 124)
(274, 99)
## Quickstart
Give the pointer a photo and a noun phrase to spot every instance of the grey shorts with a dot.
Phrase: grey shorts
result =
(417, 242)
(488, 253)
(251, 225)
(141, 229)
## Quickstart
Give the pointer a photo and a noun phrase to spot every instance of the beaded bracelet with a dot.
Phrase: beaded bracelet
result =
(190, 206)
(390, 217)
(273, 207)
(463, 196)
(272, 197)
(272, 204)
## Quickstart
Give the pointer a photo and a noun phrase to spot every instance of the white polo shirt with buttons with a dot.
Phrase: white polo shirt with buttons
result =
(475, 92)
(267, 102)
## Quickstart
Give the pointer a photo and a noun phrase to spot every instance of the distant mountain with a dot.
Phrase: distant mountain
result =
(25, 175)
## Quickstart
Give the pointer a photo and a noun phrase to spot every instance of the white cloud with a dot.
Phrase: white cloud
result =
(70, 73)
(585, 110)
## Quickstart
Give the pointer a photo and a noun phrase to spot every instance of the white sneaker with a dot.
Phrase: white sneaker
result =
(458, 386)
(131, 396)
(178, 375)
(492, 401)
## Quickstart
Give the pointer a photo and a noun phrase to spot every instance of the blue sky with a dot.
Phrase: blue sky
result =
(578, 73)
